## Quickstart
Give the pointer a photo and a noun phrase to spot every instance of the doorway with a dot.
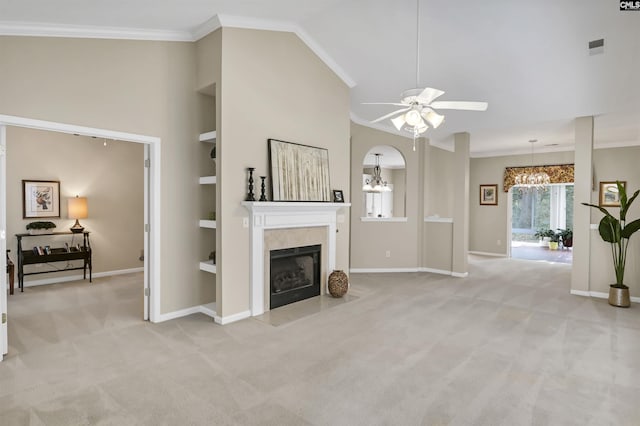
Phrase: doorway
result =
(151, 292)
(541, 223)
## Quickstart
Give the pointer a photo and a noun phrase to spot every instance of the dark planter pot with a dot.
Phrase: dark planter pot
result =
(568, 242)
(619, 296)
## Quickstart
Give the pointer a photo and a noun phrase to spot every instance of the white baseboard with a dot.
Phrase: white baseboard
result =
(435, 271)
(381, 270)
(599, 295)
(78, 277)
(483, 253)
(460, 274)
(232, 318)
(178, 314)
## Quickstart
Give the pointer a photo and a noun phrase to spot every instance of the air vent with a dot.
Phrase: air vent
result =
(596, 47)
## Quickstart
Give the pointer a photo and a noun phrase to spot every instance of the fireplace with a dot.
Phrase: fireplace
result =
(294, 274)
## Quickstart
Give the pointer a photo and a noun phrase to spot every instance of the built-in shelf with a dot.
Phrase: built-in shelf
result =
(208, 136)
(208, 180)
(208, 266)
(207, 224)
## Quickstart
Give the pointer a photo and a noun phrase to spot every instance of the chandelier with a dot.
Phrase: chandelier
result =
(376, 184)
(530, 179)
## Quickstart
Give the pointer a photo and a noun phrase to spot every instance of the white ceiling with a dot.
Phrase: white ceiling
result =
(528, 60)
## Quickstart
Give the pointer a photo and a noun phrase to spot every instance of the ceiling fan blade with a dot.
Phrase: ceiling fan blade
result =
(383, 103)
(398, 121)
(464, 105)
(391, 114)
(428, 95)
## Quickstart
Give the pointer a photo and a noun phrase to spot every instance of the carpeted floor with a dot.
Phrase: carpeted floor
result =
(506, 346)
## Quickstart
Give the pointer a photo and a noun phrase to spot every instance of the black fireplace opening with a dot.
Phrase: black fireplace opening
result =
(294, 274)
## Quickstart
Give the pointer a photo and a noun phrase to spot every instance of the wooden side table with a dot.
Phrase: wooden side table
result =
(11, 271)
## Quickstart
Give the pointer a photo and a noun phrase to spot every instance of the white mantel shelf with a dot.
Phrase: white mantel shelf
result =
(265, 215)
(288, 206)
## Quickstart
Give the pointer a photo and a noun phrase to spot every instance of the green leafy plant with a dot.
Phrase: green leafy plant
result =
(555, 237)
(567, 236)
(617, 232)
(542, 232)
(41, 225)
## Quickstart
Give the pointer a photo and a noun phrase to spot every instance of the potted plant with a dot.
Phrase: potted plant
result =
(544, 235)
(40, 227)
(617, 232)
(567, 237)
(554, 240)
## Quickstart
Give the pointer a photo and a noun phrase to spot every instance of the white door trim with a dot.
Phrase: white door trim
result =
(152, 193)
(4, 341)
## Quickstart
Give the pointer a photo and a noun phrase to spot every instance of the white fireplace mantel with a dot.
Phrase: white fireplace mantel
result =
(279, 215)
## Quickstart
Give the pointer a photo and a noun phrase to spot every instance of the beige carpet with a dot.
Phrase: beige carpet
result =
(507, 346)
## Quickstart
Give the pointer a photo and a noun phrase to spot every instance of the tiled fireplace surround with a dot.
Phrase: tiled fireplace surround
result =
(279, 225)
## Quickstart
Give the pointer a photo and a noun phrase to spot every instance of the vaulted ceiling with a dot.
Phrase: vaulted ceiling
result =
(529, 60)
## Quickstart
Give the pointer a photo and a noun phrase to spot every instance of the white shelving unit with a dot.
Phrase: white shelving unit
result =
(208, 265)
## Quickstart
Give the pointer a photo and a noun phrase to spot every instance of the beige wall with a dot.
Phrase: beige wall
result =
(488, 224)
(610, 165)
(271, 86)
(371, 240)
(112, 179)
(143, 87)
(439, 184)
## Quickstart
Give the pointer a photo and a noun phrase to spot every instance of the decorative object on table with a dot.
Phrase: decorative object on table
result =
(609, 194)
(212, 256)
(250, 195)
(40, 198)
(554, 241)
(338, 196)
(544, 236)
(617, 232)
(263, 195)
(212, 216)
(77, 209)
(40, 228)
(298, 172)
(212, 154)
(489, 195)
(338, 283)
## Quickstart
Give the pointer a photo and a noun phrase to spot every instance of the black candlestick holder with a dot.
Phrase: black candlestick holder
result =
(250, 194)
(263, 196)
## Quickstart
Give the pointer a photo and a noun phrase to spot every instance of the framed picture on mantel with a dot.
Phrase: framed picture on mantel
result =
(488, 195)
(298, 172)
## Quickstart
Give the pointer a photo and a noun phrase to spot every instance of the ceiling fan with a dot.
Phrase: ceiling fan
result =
(418, 105)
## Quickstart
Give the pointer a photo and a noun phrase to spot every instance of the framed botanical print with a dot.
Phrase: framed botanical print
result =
(40, 198)
(489, 195)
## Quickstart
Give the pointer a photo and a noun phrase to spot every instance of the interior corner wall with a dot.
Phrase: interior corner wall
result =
(143, 87)
(112, 181)
(272, 86)
(371, 240)
(488, 224)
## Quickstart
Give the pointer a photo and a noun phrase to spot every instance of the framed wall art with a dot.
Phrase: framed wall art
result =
(40, 198)
(298, 172)
(489, 195)
(609, 196)
(338, 196)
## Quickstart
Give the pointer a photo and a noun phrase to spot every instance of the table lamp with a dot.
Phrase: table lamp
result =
(77, 209)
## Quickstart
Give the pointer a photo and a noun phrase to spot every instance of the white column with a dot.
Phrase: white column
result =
(460, 261)
(582, 214)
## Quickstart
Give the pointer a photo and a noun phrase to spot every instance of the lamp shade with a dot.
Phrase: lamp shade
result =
(77, 208)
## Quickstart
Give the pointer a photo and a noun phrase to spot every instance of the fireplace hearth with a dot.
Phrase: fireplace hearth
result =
(294, 274)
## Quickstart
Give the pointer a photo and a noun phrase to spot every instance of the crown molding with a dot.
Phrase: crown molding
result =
(232, 21)
(29, 29)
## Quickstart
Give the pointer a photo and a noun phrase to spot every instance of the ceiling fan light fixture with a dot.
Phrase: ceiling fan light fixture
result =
(398, 122)
(413, 118)
(433, 118)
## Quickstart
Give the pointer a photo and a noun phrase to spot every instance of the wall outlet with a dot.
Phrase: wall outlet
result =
(245, 222)
(388, 253)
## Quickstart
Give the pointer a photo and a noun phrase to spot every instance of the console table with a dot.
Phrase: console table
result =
(59, 254)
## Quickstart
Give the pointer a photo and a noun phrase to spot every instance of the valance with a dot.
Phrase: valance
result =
(560, 173)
